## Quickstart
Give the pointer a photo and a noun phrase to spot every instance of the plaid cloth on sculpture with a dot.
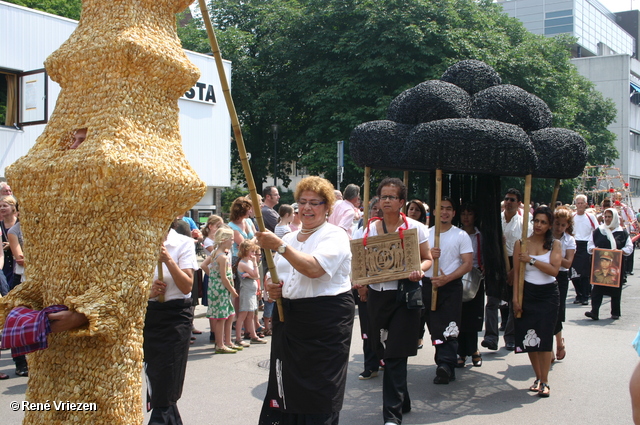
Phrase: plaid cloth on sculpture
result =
(26, 330)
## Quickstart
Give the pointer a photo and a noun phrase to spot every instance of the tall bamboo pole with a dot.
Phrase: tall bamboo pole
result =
(554, 197)
(367, 187)
(160, 277)
(436, 243)
(237, 132)
(525, 233)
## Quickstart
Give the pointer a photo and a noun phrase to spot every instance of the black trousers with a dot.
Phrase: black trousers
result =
(596, 299)
(371, 361)
(395, 394)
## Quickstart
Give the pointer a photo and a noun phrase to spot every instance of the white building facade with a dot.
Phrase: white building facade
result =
(606, 54)
(30, 36)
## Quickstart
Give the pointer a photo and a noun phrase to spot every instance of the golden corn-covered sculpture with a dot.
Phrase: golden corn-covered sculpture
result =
(94, 217)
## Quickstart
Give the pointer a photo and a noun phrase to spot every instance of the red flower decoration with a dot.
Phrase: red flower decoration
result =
(611, 190)
(626, 185)
(617, 203)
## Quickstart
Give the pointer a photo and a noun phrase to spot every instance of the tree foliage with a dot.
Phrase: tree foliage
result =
(67, 8)
(318, 68)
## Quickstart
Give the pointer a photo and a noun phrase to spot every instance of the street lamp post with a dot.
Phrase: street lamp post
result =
(275, 128)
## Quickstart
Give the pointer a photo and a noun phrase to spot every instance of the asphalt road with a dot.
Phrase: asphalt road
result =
(590, 386)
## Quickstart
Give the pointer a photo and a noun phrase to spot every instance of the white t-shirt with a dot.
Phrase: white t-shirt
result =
(423, 236)
(453, 243)
(568, 242)
(183, 251)
(281, 230)
(207, 243)
(330, 246)
(583, 226)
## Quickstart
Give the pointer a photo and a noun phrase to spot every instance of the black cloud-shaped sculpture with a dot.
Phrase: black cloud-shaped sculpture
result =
(468, 122)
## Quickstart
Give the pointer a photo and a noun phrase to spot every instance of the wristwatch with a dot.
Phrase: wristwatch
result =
(532, 261)
(282, 248)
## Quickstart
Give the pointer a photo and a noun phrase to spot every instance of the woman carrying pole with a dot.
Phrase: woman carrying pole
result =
(539, 308)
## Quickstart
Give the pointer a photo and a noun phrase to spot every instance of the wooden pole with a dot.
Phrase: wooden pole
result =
(554, 197)
(367, 187)
(237, 132)
(436, 243)
(525, 233)
(406, 179)
(160, 277)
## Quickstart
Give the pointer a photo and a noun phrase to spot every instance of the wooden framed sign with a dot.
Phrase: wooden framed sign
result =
(384, 258)
(606, 267)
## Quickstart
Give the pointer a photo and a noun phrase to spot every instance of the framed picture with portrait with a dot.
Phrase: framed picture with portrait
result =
(606, 267)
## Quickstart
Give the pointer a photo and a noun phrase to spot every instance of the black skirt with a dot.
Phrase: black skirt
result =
(534, 330)
(309, 357)
(167, 329)
(394, 329)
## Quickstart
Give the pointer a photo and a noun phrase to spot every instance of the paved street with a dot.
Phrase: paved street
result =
(589, 387)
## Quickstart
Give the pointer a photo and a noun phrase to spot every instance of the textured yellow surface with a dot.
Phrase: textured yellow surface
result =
(93, 218)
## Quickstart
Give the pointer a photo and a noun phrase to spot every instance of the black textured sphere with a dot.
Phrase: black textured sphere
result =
(512, 105)
(562, 153)
(472, 75)
(429, 101)
(467, 145)
(378, 144)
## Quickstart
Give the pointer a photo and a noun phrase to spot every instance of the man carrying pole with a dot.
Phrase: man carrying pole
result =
(455, 260)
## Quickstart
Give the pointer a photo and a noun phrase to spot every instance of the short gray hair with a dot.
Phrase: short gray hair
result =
(352, 191)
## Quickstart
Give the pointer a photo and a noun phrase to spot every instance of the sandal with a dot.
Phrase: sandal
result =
(545, 390)
(268, 332)
(4, 376)
(535, 387)
(225, 350)
(476, 359)
(560, 351)
(461, 362)
(235, 347)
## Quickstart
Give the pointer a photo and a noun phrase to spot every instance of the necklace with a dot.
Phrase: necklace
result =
(310, 231)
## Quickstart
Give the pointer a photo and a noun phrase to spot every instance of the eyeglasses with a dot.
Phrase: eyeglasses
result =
(312, 204)
(389, 198)
(507, 199)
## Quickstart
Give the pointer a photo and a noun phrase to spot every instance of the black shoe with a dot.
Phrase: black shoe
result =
(591, 315)
(22, 371)
(368, 374)
(614, 317)
(510, 346)
(489, 344)
(502, 328)
(585, 302)
(577, 301)
(443, 375)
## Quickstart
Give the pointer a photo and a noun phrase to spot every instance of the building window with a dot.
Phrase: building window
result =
(634, 186)
(300, 171)
(634, 141)
(23, 98)
(8, 99)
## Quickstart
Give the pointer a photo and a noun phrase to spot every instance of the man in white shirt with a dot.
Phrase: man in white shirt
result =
(512, 232)
(345, 212)
(584, 224)
(455, 255)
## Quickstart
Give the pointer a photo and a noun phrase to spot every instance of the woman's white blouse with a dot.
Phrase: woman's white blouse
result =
(330, 246)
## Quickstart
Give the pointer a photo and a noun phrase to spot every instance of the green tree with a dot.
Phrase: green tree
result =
(320, 67)
(67, 8)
